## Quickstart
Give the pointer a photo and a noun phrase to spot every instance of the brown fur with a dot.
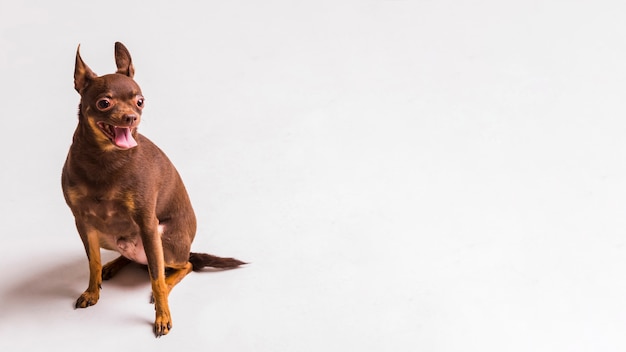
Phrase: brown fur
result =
(125, 196)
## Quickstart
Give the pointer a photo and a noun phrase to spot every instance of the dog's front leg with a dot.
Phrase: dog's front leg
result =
(156, 267)
(92, 247)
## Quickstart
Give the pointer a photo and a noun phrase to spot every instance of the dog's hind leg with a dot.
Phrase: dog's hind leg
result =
(113, 267)
(175, 275)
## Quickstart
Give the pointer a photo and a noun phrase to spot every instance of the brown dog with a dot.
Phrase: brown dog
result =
(124, 192)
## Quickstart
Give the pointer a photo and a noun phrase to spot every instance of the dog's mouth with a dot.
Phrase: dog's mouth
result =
(120, 136)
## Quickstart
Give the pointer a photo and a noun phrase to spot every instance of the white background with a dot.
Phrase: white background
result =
(402, 175)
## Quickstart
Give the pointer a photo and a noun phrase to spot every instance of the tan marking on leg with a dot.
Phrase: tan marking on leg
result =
(92, 294)
(176, 275)
(163, 320)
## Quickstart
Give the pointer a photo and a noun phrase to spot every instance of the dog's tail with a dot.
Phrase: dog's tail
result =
(201, 260)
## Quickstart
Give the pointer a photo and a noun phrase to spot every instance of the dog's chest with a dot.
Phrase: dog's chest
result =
(109, 208)
(113, 215)
(109, 213)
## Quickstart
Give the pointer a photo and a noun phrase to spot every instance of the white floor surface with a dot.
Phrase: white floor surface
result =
(402, 175)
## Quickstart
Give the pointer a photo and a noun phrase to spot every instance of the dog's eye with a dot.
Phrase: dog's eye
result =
(103, 104)
(140, 102)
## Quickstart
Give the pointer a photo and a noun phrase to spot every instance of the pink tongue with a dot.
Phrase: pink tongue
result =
(123, 138)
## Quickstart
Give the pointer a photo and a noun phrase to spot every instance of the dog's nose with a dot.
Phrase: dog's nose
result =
(130, 118)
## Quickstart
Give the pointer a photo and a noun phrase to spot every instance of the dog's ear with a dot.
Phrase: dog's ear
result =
(83, 75)
(123, 60)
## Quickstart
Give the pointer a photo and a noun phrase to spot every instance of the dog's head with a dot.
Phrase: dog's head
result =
(110, 105)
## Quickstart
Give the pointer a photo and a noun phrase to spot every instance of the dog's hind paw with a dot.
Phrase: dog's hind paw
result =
(113, 267)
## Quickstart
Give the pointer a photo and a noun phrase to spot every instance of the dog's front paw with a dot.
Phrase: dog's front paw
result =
(162, 325)
(87, 299)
